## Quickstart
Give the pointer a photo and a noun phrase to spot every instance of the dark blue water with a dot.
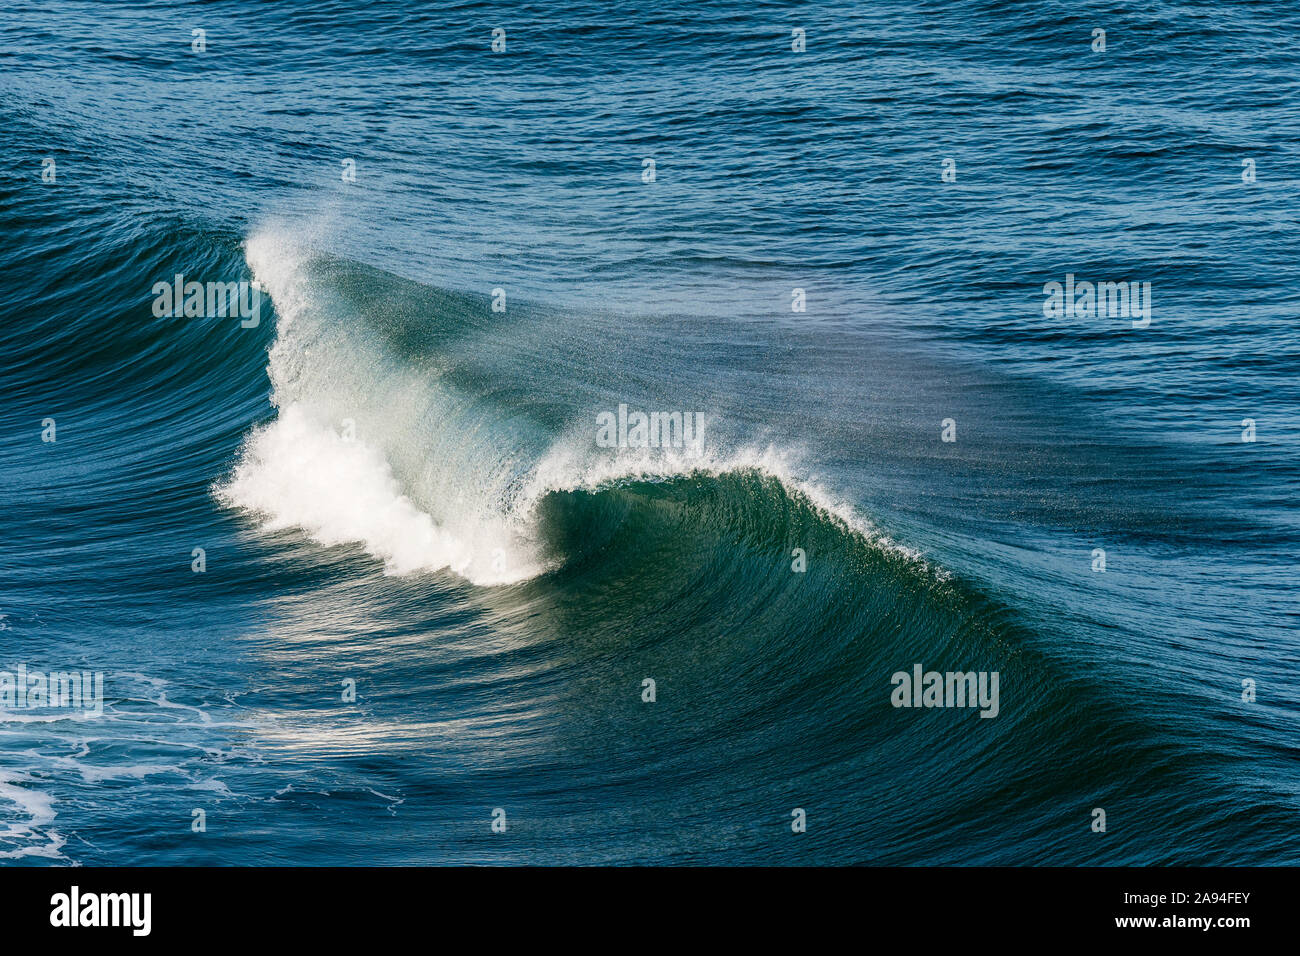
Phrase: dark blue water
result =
(401, 489)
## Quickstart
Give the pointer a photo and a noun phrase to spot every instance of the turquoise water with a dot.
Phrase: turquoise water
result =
(394, 469)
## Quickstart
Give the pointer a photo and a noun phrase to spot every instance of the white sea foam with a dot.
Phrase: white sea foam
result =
(76, 756)
(300, 474)
(31, 829)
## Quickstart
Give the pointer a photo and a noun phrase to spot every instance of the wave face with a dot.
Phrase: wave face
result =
(363, 571)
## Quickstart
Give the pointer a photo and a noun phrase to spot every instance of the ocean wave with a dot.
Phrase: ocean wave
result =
(353, 421)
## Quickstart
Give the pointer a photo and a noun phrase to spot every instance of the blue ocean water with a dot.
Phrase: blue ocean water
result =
(360, 576)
